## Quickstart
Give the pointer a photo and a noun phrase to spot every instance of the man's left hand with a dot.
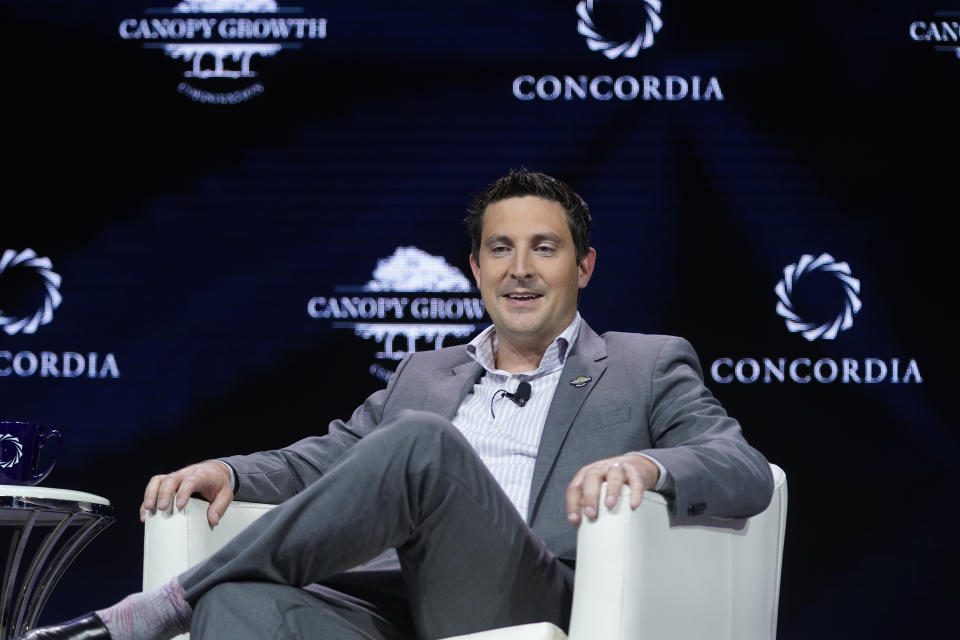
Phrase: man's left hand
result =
(583, 494)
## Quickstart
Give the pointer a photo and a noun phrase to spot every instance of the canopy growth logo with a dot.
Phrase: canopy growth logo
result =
(942, 33)
(393, 310)
(29, 294)
(629, 49)
(835, 284)
(597, 22)
(220, 40)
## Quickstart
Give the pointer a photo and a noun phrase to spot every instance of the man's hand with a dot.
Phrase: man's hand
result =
(583, 494)
(210, 479)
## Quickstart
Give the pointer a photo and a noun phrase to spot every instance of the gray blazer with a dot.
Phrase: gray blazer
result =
(645, 393)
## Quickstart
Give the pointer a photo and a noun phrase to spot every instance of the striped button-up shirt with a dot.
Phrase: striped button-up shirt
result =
(504, 435)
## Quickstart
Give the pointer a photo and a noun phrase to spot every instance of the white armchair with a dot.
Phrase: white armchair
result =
(639, 573)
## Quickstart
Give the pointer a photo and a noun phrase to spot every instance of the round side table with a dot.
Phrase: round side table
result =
(66, 522)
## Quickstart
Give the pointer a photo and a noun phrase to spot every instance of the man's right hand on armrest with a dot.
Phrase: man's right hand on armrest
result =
(211, 479)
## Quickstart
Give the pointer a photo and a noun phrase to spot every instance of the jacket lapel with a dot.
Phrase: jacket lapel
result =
(586, 359)
(447, 393)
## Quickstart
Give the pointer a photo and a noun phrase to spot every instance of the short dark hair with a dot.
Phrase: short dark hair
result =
(521, 182)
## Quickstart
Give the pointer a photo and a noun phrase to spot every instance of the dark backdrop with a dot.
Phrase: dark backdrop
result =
(190, 237)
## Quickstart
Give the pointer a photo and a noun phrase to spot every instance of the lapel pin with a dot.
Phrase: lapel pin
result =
(580, 381)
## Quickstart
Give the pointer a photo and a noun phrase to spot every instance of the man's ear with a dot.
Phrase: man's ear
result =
(586, 266)
(475, 268)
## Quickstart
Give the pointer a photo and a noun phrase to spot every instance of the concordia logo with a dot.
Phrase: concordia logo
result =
(943, 32)
(220, 49)
(612, 50)
(812, 330)
(26, 270)
(391, 309)
(28, 259)
(10, 450)
(624, 87)
(871, 370)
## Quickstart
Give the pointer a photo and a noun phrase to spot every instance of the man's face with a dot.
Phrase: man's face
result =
(527, 270)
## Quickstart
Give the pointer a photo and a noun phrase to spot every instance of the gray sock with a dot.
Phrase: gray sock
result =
(152, 615)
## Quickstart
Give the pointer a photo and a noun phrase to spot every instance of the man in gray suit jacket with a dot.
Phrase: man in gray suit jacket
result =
(481, 511)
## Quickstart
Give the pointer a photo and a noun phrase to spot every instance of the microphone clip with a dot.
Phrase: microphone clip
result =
(519, 397)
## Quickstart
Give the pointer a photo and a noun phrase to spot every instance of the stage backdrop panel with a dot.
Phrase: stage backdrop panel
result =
(225, 222)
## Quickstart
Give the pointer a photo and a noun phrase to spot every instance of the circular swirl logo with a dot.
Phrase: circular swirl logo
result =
(29, 259)
(611, 49)
(10, 450)
(808, 264)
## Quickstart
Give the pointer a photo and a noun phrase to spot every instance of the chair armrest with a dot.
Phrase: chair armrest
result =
(534, 631)
(644, 574)
(174, 541)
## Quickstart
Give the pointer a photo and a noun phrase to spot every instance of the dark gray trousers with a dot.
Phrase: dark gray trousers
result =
(467, 560)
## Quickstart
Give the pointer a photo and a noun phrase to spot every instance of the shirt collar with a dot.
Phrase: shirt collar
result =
(483, 349)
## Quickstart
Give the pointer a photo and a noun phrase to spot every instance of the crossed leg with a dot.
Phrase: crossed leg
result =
(468, 560)
(270, 610)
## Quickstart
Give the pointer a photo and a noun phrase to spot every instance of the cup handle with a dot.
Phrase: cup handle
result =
(42, 438)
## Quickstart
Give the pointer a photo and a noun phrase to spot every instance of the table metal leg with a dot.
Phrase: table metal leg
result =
(69, 526)
(59, 565)
(13, 566)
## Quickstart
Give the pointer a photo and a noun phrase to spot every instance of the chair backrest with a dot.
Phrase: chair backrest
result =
(641, 574)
